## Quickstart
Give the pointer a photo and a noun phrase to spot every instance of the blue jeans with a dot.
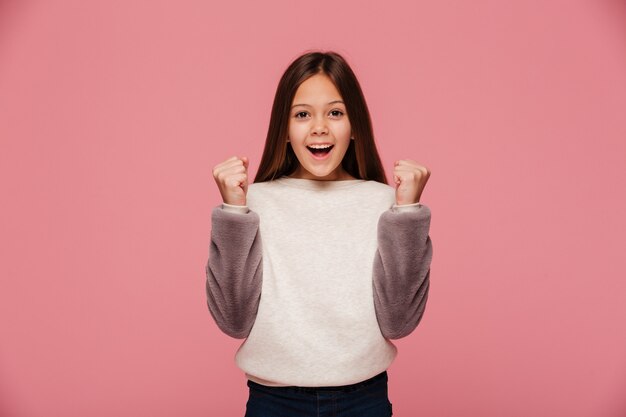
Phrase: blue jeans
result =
(368, 398)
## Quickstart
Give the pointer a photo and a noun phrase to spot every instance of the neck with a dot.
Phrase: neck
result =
(338, 175)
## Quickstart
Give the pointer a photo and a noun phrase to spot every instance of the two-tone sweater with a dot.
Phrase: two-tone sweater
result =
(318, 276)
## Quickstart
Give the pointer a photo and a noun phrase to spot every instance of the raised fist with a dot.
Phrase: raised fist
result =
(410, 178)
(231, 177)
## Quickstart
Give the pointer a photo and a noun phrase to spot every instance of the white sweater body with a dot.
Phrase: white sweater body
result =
(316, 324)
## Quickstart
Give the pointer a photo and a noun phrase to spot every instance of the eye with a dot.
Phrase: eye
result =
(334, 113)
(297, 116)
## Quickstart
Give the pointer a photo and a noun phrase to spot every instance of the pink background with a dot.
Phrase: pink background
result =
(112, 115)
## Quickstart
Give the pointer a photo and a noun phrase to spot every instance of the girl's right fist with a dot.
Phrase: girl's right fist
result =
(231, 177)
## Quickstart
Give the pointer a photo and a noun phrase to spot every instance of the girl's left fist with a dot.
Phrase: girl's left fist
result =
(410, 178)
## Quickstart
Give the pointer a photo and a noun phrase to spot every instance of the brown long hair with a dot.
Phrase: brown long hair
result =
(361, 159)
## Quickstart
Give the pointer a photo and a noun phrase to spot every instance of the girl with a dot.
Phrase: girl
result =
(318, 263)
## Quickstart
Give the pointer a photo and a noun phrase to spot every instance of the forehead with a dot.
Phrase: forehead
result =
(316, 89)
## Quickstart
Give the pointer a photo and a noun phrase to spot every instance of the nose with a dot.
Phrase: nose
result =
(320, 128)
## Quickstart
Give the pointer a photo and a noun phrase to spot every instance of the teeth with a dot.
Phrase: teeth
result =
(320, 146)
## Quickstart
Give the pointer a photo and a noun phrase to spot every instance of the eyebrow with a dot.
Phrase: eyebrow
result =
(308, 105)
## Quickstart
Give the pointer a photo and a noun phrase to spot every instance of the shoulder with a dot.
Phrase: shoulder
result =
(378, 188)
(260, 187)
(260, 192)
(376, 195)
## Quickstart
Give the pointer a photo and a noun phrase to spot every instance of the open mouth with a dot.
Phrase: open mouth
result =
(320, 150)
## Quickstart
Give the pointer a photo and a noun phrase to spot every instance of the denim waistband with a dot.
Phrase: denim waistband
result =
(342, 388)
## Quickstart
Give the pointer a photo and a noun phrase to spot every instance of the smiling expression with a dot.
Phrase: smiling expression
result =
(319, 130)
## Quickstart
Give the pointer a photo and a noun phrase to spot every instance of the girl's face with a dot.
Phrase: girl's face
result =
(319, 130)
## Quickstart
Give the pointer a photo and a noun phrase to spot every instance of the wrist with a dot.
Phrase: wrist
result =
(237, 201)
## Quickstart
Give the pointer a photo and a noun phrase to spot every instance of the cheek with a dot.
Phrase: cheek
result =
(343, 132)
(296, 131)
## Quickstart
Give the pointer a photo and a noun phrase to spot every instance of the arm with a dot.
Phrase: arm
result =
(234, 269)
(401, 276)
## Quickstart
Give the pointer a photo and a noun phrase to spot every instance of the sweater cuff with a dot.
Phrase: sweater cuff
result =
(403, 208)
(235, 209)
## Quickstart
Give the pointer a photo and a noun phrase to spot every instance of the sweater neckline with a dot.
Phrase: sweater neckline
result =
(318, 184)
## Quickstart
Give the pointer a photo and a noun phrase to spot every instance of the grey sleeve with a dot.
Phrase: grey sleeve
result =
(234, 271)
(401, 275)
